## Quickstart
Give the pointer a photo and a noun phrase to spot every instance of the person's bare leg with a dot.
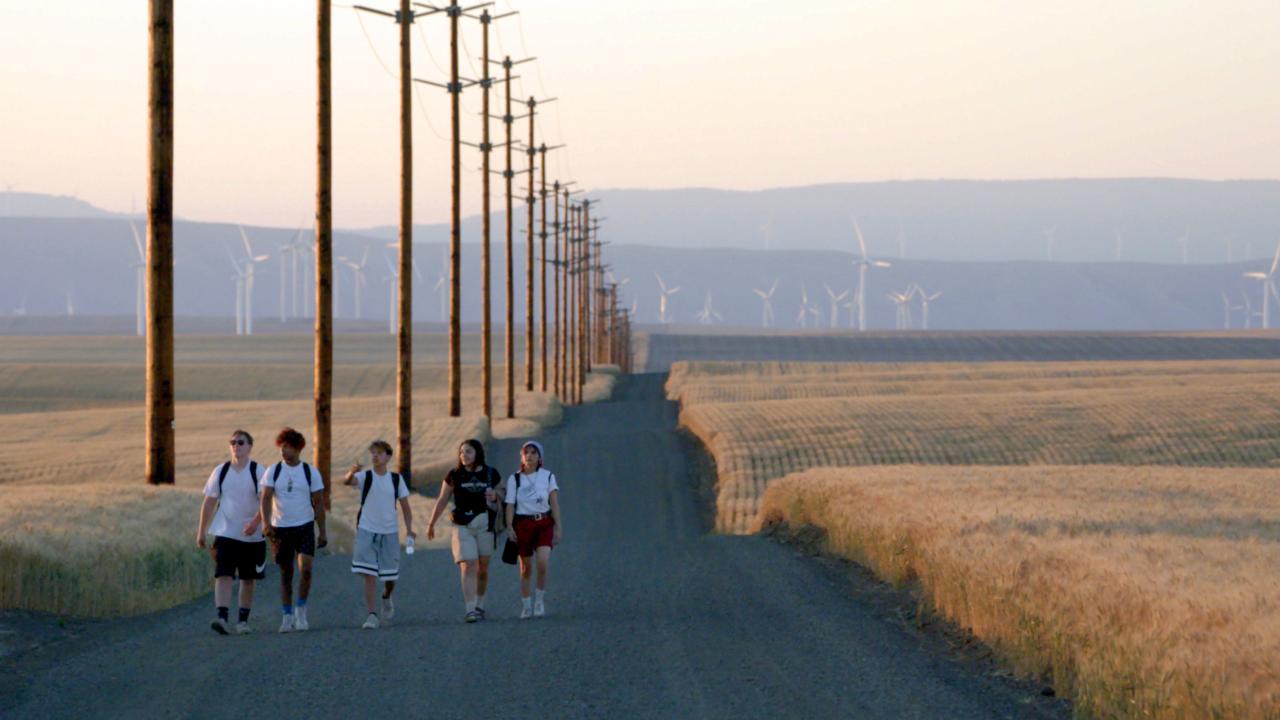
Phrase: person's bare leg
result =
(370, 593)
(482, 580)
(286, 583)
(544, 563)
(222, 592)
(246, 594)
(526, 569)
(304, 581)
(467, 570)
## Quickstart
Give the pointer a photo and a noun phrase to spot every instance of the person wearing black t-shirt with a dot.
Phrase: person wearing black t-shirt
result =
(471, 486)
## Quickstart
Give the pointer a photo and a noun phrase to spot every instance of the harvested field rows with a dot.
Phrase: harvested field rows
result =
(1139, 591)
(1212, 414)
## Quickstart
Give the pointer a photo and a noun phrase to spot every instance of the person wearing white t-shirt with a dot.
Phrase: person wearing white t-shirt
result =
(377, 553)
(534, 522)
(292, 505)
(231, 512)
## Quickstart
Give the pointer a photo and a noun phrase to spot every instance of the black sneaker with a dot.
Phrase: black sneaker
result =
(472, 616)
(219, 626)
(480, 612)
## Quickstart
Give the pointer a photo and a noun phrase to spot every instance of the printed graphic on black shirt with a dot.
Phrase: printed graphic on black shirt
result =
(468, 492)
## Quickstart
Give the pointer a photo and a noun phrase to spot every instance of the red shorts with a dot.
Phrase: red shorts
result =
(532, 534)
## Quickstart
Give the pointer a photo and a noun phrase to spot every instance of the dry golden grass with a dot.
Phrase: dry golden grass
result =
(1141, 592)
(75, 456)
(763, 421)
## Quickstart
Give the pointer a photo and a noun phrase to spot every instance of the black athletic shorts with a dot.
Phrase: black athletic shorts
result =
(288, 541)
(238, 559)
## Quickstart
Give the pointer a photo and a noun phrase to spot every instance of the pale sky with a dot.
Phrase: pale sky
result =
(659, 94)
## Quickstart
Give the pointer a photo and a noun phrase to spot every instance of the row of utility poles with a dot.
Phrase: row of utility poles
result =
(585, 327)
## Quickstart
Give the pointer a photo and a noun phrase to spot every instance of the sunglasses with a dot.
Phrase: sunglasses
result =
(239, 441)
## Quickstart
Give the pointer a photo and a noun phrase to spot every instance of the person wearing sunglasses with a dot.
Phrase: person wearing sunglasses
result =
(293, 505)
(232, 513)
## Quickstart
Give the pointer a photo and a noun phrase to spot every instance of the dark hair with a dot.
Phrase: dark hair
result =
(292, 438)
(242, 433)
(475, 445)
(382, 445)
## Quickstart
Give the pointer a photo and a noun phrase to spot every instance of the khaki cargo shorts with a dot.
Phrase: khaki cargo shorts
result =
(473, 540)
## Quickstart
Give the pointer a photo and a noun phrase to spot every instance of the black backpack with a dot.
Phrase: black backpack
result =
(368, 483)
(306, 471)
(253, 472)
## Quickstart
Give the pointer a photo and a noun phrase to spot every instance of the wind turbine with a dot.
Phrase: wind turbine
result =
(1050, 238)
(662, 299)
(249, 262)
(1119, 245)
(805, 308)
(71, 305)
(1268, 287)
(1227, 309)
(290, 250)
(21, 310)
(1248, 310)
(238, 280)
(361, 280)
(925, 299)
(140, 268)
(393, 279)
(863, 262)
(708, 315)
(835, 302)
(1185, 243)
(767, 298)
(903, 300)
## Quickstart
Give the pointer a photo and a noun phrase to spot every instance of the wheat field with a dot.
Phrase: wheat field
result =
(1139, 591)
(75, 514)
(762, 421)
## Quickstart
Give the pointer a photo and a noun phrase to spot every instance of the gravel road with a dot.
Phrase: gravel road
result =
(649, 616)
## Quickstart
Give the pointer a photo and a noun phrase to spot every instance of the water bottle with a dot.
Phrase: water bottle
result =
(408, 545)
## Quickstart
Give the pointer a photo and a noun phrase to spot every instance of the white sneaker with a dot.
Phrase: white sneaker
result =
(242, 628)
(388, 609)
(286, 623)
(300, 619)
(526, 612)
(370, 623)
(539, 609)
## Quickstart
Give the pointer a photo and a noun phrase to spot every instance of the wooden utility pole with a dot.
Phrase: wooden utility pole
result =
(555, 304)
(542, 235)
(531, 150)
(404, 17)
(455, 219)
(160, 464)
(322, 390)
(404, 338)
(486, 147)
(584, 296)
(508, 175)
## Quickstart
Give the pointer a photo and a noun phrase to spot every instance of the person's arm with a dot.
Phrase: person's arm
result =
(446, 492)
(264, 509)
(511, 513)
(317, 503)
(350, 478)
(558, 532)
(408, 517)
(251, 527)
(206, 512)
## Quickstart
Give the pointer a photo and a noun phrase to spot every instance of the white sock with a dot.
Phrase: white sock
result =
(471, 606)
(527, 602)
(538, 594)
(479, 602)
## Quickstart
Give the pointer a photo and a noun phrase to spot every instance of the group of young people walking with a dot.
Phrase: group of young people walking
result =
(246, 507)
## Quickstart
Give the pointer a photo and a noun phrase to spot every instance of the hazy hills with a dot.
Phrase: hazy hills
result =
(47, 263)
(1133, 220)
